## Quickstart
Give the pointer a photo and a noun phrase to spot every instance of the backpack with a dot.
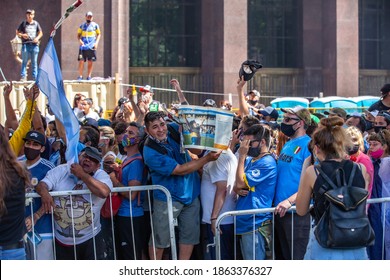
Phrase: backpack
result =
(344, 224)
(116, 198)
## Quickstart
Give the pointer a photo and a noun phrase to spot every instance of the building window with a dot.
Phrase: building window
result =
(374, 37)
(273, 28)
(165, 33)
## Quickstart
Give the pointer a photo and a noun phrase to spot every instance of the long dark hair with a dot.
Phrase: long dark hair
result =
(8, 161)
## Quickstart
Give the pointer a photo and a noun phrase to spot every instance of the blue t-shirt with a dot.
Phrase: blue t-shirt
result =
(260, 176)
(37, 172)
(290, 163)
(183, 188)
(132, 171)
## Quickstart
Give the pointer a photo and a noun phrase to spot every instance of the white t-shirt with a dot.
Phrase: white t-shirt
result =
(59, 179)
(223, 169)
(92, 115)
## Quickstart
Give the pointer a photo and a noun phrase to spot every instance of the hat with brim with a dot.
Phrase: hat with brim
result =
(269, 111)
(93, 153)
(36, 137)
(301, 112)
(337, 111)
(372, 113)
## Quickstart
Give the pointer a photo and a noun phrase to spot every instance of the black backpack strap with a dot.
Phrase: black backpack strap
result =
(352, 175)
(174, 133)
(326, 178)
(155, 146)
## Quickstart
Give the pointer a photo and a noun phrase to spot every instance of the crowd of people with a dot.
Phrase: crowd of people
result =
(268, 164)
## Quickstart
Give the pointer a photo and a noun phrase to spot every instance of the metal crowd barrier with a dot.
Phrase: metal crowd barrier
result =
(170, 221)
(293, 211)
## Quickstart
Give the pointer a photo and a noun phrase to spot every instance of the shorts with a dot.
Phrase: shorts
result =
(85, 55)
(187, 216)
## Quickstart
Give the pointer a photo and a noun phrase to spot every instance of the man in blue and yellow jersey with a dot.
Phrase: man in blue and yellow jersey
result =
(88, 35)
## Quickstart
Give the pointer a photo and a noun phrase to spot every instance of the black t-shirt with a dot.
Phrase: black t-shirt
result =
(12, 225)
(378, 106)
(32, 29)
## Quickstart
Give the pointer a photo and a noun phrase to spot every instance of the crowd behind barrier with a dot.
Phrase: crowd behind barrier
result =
(385, 201)
(215, 246)
(35, 236)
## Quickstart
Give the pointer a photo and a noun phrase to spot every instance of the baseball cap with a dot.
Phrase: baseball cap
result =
(337, 111)
(36, 137)
(270, 111)
(146, 88)
(209, 103)
(90, 122)
(385, 89)
(123, 100)
(248, 69)
(373, 113)
(301, 112)
(89, 14)
(255, 92)
(93, 153)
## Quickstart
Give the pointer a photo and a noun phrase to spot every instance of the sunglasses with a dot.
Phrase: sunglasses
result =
(287, 119)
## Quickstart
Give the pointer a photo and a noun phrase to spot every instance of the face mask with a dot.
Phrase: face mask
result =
(128, 141)
(287, 129)
(353, 150)
(378, 128)
(369, 125)
(121, 149)
(31, 154)
(377, 154)
(88, 21)
(254, 152)
(252, 102)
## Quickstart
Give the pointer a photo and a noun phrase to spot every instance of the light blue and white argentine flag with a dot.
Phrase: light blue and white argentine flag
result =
(51, 84)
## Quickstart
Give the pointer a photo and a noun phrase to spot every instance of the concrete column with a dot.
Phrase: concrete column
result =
(120, 39)
(341, 47)
(235, 43)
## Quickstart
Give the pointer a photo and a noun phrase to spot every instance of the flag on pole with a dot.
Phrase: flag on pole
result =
(50, 82)
(70, 9)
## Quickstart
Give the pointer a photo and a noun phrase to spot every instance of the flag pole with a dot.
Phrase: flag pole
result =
(69, 10)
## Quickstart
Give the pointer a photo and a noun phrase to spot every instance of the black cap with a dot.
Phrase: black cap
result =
(123, 100)
(385, 89)
(248, 69)
(90, 122)
(36, 137)
(269, 111)
(93, 153)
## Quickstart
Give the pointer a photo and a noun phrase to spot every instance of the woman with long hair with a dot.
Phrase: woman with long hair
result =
(14, 179)
(329, 143)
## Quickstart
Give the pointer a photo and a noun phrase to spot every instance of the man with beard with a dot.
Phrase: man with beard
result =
(77, 217)
(291, 245)
(38, 223)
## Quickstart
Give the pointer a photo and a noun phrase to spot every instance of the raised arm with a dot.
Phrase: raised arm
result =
(10, 115)
(241, 98)
(175, 83)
